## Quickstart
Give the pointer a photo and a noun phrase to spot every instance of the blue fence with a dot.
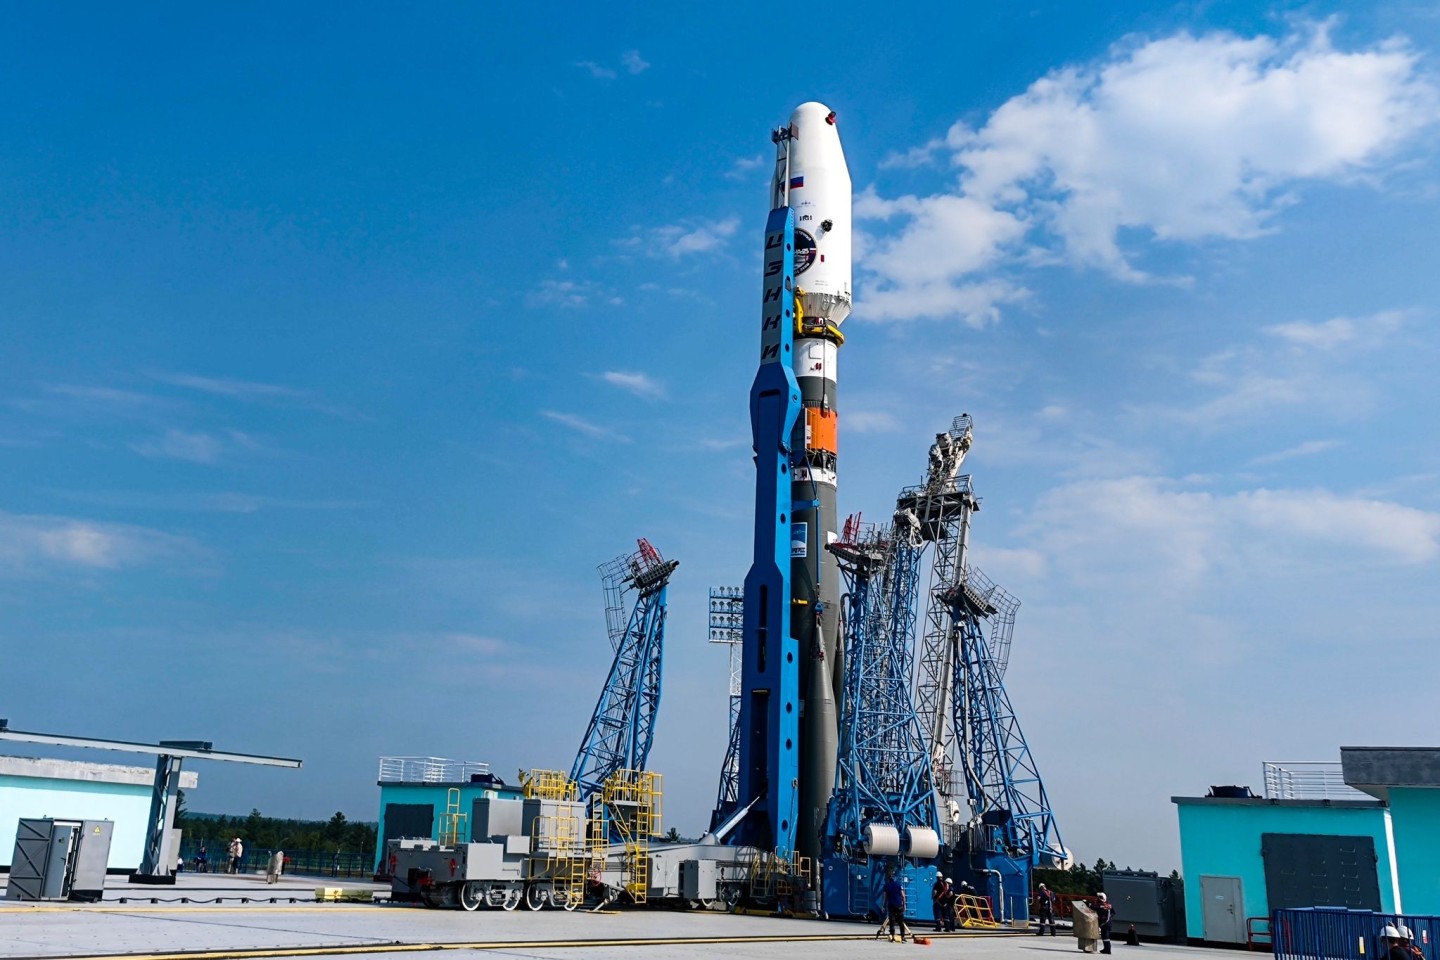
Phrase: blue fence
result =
(1335, 933)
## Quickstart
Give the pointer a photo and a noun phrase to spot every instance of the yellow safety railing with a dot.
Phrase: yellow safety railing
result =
(452, 821)
(550, 785)
(975, 912)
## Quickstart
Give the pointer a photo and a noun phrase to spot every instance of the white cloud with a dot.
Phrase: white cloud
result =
(1307, 449)
(29, 541)
(870, 421)
(1158, 537)
(1339, 331)
(581, 425)
(744, 167)
(632, 62)
(595, 70)
(1183, 139)
(227, 387)
(637, 383)
(195, 446)
(678, 240)
(1303, 370)
(570, 295)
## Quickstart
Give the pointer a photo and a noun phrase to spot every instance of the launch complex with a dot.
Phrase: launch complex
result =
(870, 739)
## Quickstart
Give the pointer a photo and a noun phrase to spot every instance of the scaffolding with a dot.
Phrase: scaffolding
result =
(625, 813)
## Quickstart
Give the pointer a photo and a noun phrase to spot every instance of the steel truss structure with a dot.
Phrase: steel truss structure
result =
(883, 769)
(623, 725)
(727, 616)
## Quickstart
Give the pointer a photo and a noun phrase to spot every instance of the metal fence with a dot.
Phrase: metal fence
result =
(1308, 780)
(310, 863)
(1334, 933)
(429, 770)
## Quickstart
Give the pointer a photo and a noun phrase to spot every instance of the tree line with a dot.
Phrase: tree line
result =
(1084, 880)
(259, 832)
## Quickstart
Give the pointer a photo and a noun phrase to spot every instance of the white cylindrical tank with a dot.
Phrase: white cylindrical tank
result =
(820, 197)
(921, 843)
(881, 840)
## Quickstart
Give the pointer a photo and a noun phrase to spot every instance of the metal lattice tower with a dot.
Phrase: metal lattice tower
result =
(1000, 773)
(623, 725)
(943, 505)
(883, 769)
(727, 615)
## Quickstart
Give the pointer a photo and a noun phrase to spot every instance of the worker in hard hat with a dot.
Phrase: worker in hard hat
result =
(1105, 913)
(941, 896)
(1396, 939)
(1045, 904)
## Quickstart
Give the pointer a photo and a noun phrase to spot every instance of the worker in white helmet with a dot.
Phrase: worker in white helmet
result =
(1105, 913)
(1396, 940)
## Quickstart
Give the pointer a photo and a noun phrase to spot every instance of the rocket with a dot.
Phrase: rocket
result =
(813, 180)
(792, 664)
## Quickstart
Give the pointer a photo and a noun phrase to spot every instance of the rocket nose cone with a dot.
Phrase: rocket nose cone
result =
(812, 114)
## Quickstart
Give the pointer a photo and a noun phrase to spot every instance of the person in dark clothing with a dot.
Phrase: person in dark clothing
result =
(1105, 913)
(942, 899)
(1045, 910)
(893, 898)
(1396, 940)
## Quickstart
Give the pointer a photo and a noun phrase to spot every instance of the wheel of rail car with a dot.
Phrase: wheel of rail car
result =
(730, 895)
(513, 896)
(568, 901)
(430, 898)
(705, 903)
(534, 896)
(470, 896)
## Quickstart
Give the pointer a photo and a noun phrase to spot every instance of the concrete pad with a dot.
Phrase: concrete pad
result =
(208, 931)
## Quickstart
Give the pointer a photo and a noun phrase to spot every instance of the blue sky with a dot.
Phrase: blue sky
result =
(339, 344)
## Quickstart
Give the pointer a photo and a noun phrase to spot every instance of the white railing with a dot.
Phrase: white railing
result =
(1308, 780)
(429, 770)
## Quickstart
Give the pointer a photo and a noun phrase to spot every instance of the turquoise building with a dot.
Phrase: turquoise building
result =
(1363, 833)
(1407, 780)
(42, 788)
(422, 797)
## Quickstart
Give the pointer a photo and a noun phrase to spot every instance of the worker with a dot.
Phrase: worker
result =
(1105, 913)
(1398, 945)
(939, 891)
(965, 902)
(893, 899)
(1045, 908)
(237, 854)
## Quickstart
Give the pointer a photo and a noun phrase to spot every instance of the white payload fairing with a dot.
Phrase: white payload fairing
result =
(812, 179)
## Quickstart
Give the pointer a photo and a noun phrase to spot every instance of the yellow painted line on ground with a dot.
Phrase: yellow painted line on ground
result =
(336, 951)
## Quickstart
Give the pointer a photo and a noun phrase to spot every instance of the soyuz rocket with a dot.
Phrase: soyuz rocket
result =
(816, 186)
(793, 664)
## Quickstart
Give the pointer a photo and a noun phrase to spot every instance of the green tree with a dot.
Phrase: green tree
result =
(335, 830)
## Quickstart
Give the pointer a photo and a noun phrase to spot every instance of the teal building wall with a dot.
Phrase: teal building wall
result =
(1221, 837)
(127, 805)
(1415, 813)
(438, 796)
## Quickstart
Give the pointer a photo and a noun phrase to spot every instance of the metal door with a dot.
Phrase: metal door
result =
(1223, 909)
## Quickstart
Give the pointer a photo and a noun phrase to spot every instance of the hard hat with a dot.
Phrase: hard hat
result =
(1102, 896)
(1390, 932)
(1405, 932)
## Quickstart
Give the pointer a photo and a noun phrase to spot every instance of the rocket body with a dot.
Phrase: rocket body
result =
(814, 181)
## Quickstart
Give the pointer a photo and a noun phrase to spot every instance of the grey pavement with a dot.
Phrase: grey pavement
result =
(110, 928)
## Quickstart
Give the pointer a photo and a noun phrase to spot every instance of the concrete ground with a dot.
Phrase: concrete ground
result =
(232, 929)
